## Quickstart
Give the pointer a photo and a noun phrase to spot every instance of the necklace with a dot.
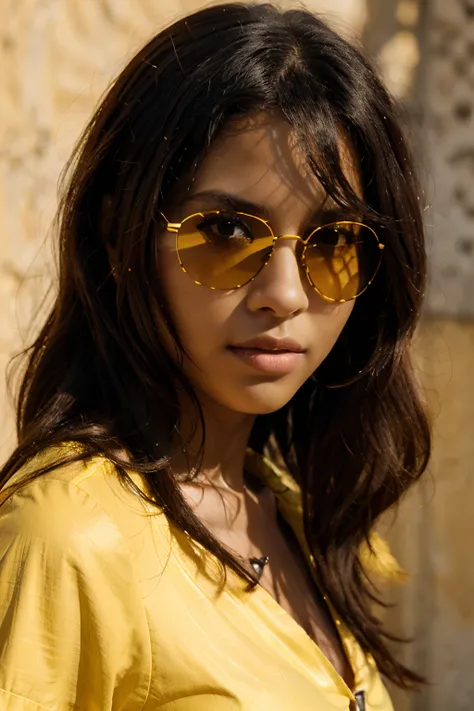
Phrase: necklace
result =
(258, 564)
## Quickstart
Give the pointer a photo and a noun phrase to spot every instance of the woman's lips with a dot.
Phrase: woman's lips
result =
(271, 362)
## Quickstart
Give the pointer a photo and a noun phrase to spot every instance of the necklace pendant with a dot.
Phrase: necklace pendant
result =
(258, 564)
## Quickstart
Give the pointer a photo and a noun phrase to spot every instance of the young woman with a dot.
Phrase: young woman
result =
(221, 403)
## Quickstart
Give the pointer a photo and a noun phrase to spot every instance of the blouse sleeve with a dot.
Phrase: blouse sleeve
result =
(73, 630)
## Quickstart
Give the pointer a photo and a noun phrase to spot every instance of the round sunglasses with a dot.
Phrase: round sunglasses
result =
(226, 250)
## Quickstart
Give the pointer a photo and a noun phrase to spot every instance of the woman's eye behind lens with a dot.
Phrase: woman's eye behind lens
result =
(225, 229)
(336, 235)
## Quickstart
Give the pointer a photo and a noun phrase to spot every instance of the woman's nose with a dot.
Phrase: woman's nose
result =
(280, 286)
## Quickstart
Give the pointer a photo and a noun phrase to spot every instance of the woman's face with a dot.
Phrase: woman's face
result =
(258, 166)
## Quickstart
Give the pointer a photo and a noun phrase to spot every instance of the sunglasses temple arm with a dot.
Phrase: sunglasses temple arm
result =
(171, 226)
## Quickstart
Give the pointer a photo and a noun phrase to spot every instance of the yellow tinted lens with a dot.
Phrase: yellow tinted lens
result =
(341, 259)
(223, 250)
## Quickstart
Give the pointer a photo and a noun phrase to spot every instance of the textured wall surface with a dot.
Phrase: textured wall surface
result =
(426, 52)
(448, 87)
(57, 56)
(432, 537)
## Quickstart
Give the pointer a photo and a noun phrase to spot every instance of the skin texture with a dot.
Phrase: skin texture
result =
(258, 162)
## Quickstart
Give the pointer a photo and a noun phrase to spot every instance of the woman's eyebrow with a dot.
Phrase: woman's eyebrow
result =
(333, 213)
(226, 200)
(328, 212)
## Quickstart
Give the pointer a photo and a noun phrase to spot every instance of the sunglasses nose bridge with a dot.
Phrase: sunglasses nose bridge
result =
(300, 243)
(297, 237)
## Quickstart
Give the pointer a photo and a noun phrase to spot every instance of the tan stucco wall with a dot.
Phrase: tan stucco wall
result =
(434, 532)
(57, 57)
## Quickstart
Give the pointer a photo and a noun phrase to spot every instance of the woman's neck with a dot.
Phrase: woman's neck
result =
(226, 439)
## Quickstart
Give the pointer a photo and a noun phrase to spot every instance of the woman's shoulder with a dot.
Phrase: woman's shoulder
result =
(75, 498)
(67, 575)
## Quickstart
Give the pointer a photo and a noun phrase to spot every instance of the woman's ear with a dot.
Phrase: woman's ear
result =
(105, 224)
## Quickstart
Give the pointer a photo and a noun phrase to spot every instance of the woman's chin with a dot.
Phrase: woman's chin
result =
(261, 399)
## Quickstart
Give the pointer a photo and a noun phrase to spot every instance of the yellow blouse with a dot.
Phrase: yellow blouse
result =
(106, 605)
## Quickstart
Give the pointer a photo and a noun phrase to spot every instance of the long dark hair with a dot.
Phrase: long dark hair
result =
(98, 374)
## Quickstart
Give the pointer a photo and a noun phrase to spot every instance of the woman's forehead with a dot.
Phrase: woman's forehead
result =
(260, 157)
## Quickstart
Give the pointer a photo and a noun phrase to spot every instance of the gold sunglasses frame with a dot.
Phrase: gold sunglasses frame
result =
(174, 228)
